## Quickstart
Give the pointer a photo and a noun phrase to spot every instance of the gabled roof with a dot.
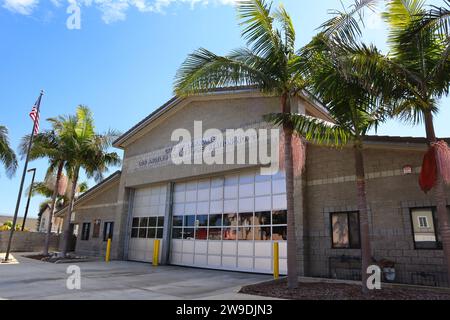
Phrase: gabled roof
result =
(175, 101)
(96, 188)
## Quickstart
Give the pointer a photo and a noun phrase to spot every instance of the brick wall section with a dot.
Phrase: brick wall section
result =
(27, 241)
(331, 187)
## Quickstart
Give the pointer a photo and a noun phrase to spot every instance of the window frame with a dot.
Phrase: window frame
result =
(111, 230)
(83, 238)
(425, 223)
(438, 243)
(96, 232)
(348, 227)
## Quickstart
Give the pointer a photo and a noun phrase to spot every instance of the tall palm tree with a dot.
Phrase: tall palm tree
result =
(354, 108)
(7, 155)
(418, 67)
(48, 144)
(89, 152)
(269, 63)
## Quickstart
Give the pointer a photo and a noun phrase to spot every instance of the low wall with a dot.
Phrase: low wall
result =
(27, 241)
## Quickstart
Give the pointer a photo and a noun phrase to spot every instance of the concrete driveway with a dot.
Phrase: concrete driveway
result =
(32, 279)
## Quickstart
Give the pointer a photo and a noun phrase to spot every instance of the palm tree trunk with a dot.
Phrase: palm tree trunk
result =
(289, 167)
(66, 227)
(52, 208)
(439, 194)
(366, 250)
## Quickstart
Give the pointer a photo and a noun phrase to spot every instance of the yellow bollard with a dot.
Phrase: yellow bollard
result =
(108, 250)
(155, 252)
(276, 265)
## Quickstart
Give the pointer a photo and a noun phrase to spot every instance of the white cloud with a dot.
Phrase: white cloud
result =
(114, 10)
(24, 7)
(56, 3)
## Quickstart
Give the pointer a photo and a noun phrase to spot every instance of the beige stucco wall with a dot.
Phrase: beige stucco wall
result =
(100, 205)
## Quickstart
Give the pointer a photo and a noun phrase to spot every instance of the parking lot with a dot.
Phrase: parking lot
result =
(32, 279)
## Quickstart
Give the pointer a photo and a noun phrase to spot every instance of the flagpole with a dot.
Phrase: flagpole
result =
(19, 196)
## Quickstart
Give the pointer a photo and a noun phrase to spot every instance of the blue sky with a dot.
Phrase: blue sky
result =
(122, 61)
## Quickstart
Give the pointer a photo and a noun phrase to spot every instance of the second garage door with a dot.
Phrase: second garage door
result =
(230, 222)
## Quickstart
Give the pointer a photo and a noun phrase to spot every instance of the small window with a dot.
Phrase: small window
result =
(177, 221)
(201, 221)
(245, 233)
(229, 234)
(159, 233)
(279, 233)
(188, 233)
(160, 222)
(142, 232)
(143, 222)
(425, 228)
(345, 230)
(423, 222)
(246, 219)
(177, 233)
(263, 233)
(96, 230)
(151, 233)
(215, 234)
(279, 217)
(108, 228)
(230, 219)
(152, 222)
(201, 233)
(85, 231)
(215, 220)
(189, 221)
(262, 218)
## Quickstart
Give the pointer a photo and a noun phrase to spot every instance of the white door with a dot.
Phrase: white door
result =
(230, 222)
(147, 222)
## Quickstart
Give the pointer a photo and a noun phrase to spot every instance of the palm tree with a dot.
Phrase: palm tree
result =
(46, 188)
(48, 144)
(269, 63)
(354, 108)
(7, 155)
(89, 152)
(418, 68)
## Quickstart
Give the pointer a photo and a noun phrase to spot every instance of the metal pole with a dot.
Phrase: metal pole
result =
(29, 198)
(19, 196)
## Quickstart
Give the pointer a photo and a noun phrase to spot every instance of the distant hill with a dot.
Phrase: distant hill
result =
(30, 225)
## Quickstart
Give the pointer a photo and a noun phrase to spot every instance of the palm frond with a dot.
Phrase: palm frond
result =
(7, 155)
(257, 23)
(203, 71)
(282, 16)
(346, 25)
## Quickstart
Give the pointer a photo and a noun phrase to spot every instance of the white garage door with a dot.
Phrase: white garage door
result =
(148, 221)
(230, 222)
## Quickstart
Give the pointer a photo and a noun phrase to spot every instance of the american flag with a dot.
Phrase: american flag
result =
(34, 115)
